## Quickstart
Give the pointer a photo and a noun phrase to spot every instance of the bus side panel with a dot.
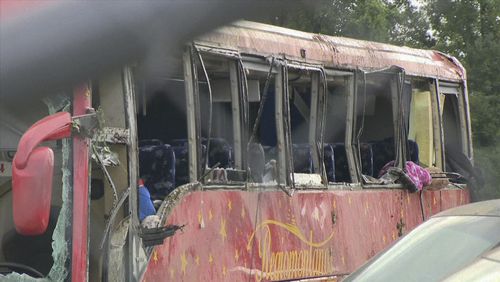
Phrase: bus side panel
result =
(241, 236)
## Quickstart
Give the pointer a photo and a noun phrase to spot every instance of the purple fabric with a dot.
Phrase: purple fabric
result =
(418, 175)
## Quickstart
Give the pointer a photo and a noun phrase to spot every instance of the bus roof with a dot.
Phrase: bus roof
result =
(334, 52)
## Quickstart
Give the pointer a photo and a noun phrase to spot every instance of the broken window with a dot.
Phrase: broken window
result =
(454, 133)
(336, 149)
(262, 151)
(223, 116)
(377, 134)
(216, 112)
(301, 124)
(421, 147)
(43, 255)
(303, 115)
(162, 131)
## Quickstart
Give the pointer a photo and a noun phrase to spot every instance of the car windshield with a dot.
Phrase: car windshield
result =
(434, 250)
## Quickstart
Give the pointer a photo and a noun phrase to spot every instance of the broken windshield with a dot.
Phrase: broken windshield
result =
(43, 257)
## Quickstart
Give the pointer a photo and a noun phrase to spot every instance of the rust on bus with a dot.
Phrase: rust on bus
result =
(331, 51)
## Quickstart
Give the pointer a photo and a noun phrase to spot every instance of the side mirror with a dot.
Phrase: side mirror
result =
(32, 172)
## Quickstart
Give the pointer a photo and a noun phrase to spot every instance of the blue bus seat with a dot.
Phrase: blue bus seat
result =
(342, 173)
(181, 151)
(302, 158)
(219, 152)
(157, 167)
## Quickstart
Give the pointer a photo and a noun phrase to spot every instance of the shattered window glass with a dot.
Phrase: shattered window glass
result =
(39, 247)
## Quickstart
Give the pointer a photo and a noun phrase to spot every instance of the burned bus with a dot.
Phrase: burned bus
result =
(267, 154)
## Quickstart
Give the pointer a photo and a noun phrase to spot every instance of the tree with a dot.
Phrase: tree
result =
(399, 22)
(470, 30)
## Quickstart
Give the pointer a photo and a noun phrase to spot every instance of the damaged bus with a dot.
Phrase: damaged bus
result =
(267, 154)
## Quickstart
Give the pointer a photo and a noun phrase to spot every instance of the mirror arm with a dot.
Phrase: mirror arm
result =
(53, 127)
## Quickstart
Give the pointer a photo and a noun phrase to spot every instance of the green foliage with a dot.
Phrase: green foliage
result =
(466, 29)
(470, 30)
(485, 119)
(398, 22)
(487, 159)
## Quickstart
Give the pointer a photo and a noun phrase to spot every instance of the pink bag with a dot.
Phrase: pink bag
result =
(417, 174)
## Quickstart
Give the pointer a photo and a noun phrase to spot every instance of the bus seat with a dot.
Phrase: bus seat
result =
(157, 168)
(256, 162)
(302, 158)
(366, 159)
(181, 164)
(181, 151)
(329, 161)
(412, 151)
(342, 173)
(150, 142)
(383, 152)
(270, 153)
(219, 152)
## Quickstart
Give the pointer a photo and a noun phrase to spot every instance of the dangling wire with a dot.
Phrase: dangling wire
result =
(400, 133)
(244, 105)
(209, 133)
(244, 91)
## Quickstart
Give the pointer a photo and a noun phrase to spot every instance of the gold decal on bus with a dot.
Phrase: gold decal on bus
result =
(315, 260)
(183, 263)
(222, 230)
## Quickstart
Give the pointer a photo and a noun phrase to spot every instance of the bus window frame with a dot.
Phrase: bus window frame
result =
(437, 124)
(238, 86)
(465, 110)
(457, 89)
(135, 248)
(192, 118)
(263, 65)
(396, 75)
(283, 176)
(134, 252)
(237, 79)
(279, 70)
(317, 117)
(436, 117)
(350, 79)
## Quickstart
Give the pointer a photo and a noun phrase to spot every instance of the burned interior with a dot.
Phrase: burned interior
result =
(266, 120)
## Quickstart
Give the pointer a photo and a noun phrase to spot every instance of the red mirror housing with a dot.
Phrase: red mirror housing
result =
(32, 173)
(32, 192)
